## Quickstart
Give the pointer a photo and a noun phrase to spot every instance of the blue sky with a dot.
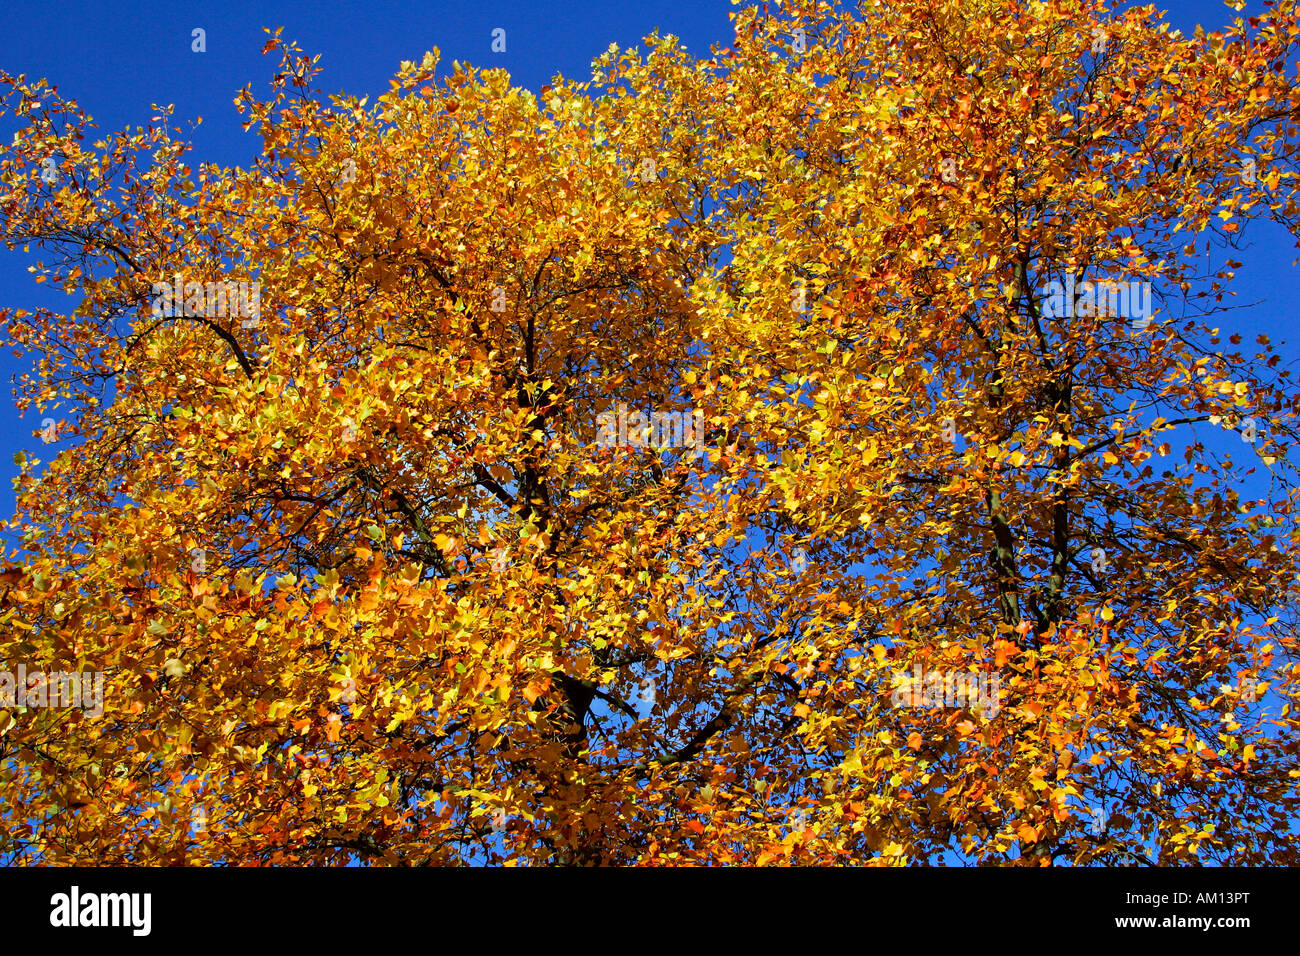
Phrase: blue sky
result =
(117, 60)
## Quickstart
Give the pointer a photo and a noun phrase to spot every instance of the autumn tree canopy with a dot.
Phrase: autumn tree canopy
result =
(602, 476)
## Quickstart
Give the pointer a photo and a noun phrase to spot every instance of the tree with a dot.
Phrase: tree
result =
(369, 576)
